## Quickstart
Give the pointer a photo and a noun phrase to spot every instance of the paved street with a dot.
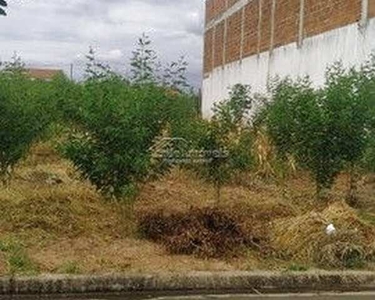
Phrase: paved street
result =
(351, 296)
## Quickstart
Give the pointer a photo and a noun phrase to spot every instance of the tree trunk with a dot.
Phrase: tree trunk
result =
(352, 196)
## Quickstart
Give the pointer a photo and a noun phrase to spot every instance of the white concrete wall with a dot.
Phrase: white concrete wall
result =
(349, 44)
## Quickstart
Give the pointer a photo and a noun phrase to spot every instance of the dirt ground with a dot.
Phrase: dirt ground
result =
(53, 222)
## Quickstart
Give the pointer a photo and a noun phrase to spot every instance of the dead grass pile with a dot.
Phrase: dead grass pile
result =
(42, 153)
(59, 212)
(303, 238)
(214, 231)
(48, 199)
(205, 232)
(174, 212)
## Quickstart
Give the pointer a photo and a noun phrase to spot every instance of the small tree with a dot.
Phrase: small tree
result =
(226, 141)
(174, 76)
(117, 126)
(67, 96)
(298, 124)
(25, 114)
(325, 129)
(3, 3)
(15, 65)
(144, 65)
(234, 112)
(96, 70)
(347, 94)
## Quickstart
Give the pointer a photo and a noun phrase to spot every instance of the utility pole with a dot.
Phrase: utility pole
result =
(71, 72)
(3, 3)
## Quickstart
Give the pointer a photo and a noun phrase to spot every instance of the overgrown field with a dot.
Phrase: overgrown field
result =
(120, 173)
(53, 222)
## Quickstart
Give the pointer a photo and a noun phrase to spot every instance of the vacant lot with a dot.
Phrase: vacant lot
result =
(52, 221)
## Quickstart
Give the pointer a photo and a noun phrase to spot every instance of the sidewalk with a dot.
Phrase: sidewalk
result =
(197, 283)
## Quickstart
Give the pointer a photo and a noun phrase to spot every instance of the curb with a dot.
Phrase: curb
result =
(198, 282)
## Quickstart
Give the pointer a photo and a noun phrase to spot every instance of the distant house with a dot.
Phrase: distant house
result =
(43, 74)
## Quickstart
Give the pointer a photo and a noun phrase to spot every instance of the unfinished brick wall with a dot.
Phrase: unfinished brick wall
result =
(262, 25)
(208, 51)
(323, 15)
(265, 25)
(371, 8)
(251, 23)
(233, 43)
(209, 10)
(287, 17)
(219, 44)
(214, 8)
(231, 3)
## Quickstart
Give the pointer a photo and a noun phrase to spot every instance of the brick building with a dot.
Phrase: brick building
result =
(251, 41)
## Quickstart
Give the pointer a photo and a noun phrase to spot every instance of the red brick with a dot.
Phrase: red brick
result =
(232, 2)
(372, 8)
(234, 34)
(209, 10)
(265, 25)
(323, 15)
(251, 28)
(219, 6)
(219, 44)
(208, 47)
(286, 22)
(319, 16)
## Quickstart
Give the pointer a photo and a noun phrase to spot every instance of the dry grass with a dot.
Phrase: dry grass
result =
(50, 200)
(207, 232)
(303, 237)
(62, 225)
(93, 255)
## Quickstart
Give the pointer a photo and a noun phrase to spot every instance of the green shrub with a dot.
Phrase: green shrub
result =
(348, 99)
(226, 141)
(67, 96)
(117, 126)
(298, 123)
(233, 112)
(325, 129)
(26, 111)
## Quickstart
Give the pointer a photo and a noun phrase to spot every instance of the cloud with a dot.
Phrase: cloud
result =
(59, 32)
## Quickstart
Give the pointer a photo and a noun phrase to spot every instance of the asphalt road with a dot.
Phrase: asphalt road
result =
(350, 296)
(362, 296)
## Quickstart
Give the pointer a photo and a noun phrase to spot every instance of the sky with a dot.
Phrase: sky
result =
(57, 33)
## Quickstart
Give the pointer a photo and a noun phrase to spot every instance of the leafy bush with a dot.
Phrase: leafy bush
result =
(226, 141)
(299, 125)
(67, 96)
(324, 129)
(349, 103)
(232, 113)
(116, 121)
(26, 111)
(117, 127)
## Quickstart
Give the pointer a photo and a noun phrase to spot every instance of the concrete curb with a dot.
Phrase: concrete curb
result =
(199, 282)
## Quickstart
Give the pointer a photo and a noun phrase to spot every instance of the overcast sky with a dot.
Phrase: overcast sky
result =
(56, 33)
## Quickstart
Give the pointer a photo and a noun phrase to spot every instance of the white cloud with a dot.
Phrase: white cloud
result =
(59, 32)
